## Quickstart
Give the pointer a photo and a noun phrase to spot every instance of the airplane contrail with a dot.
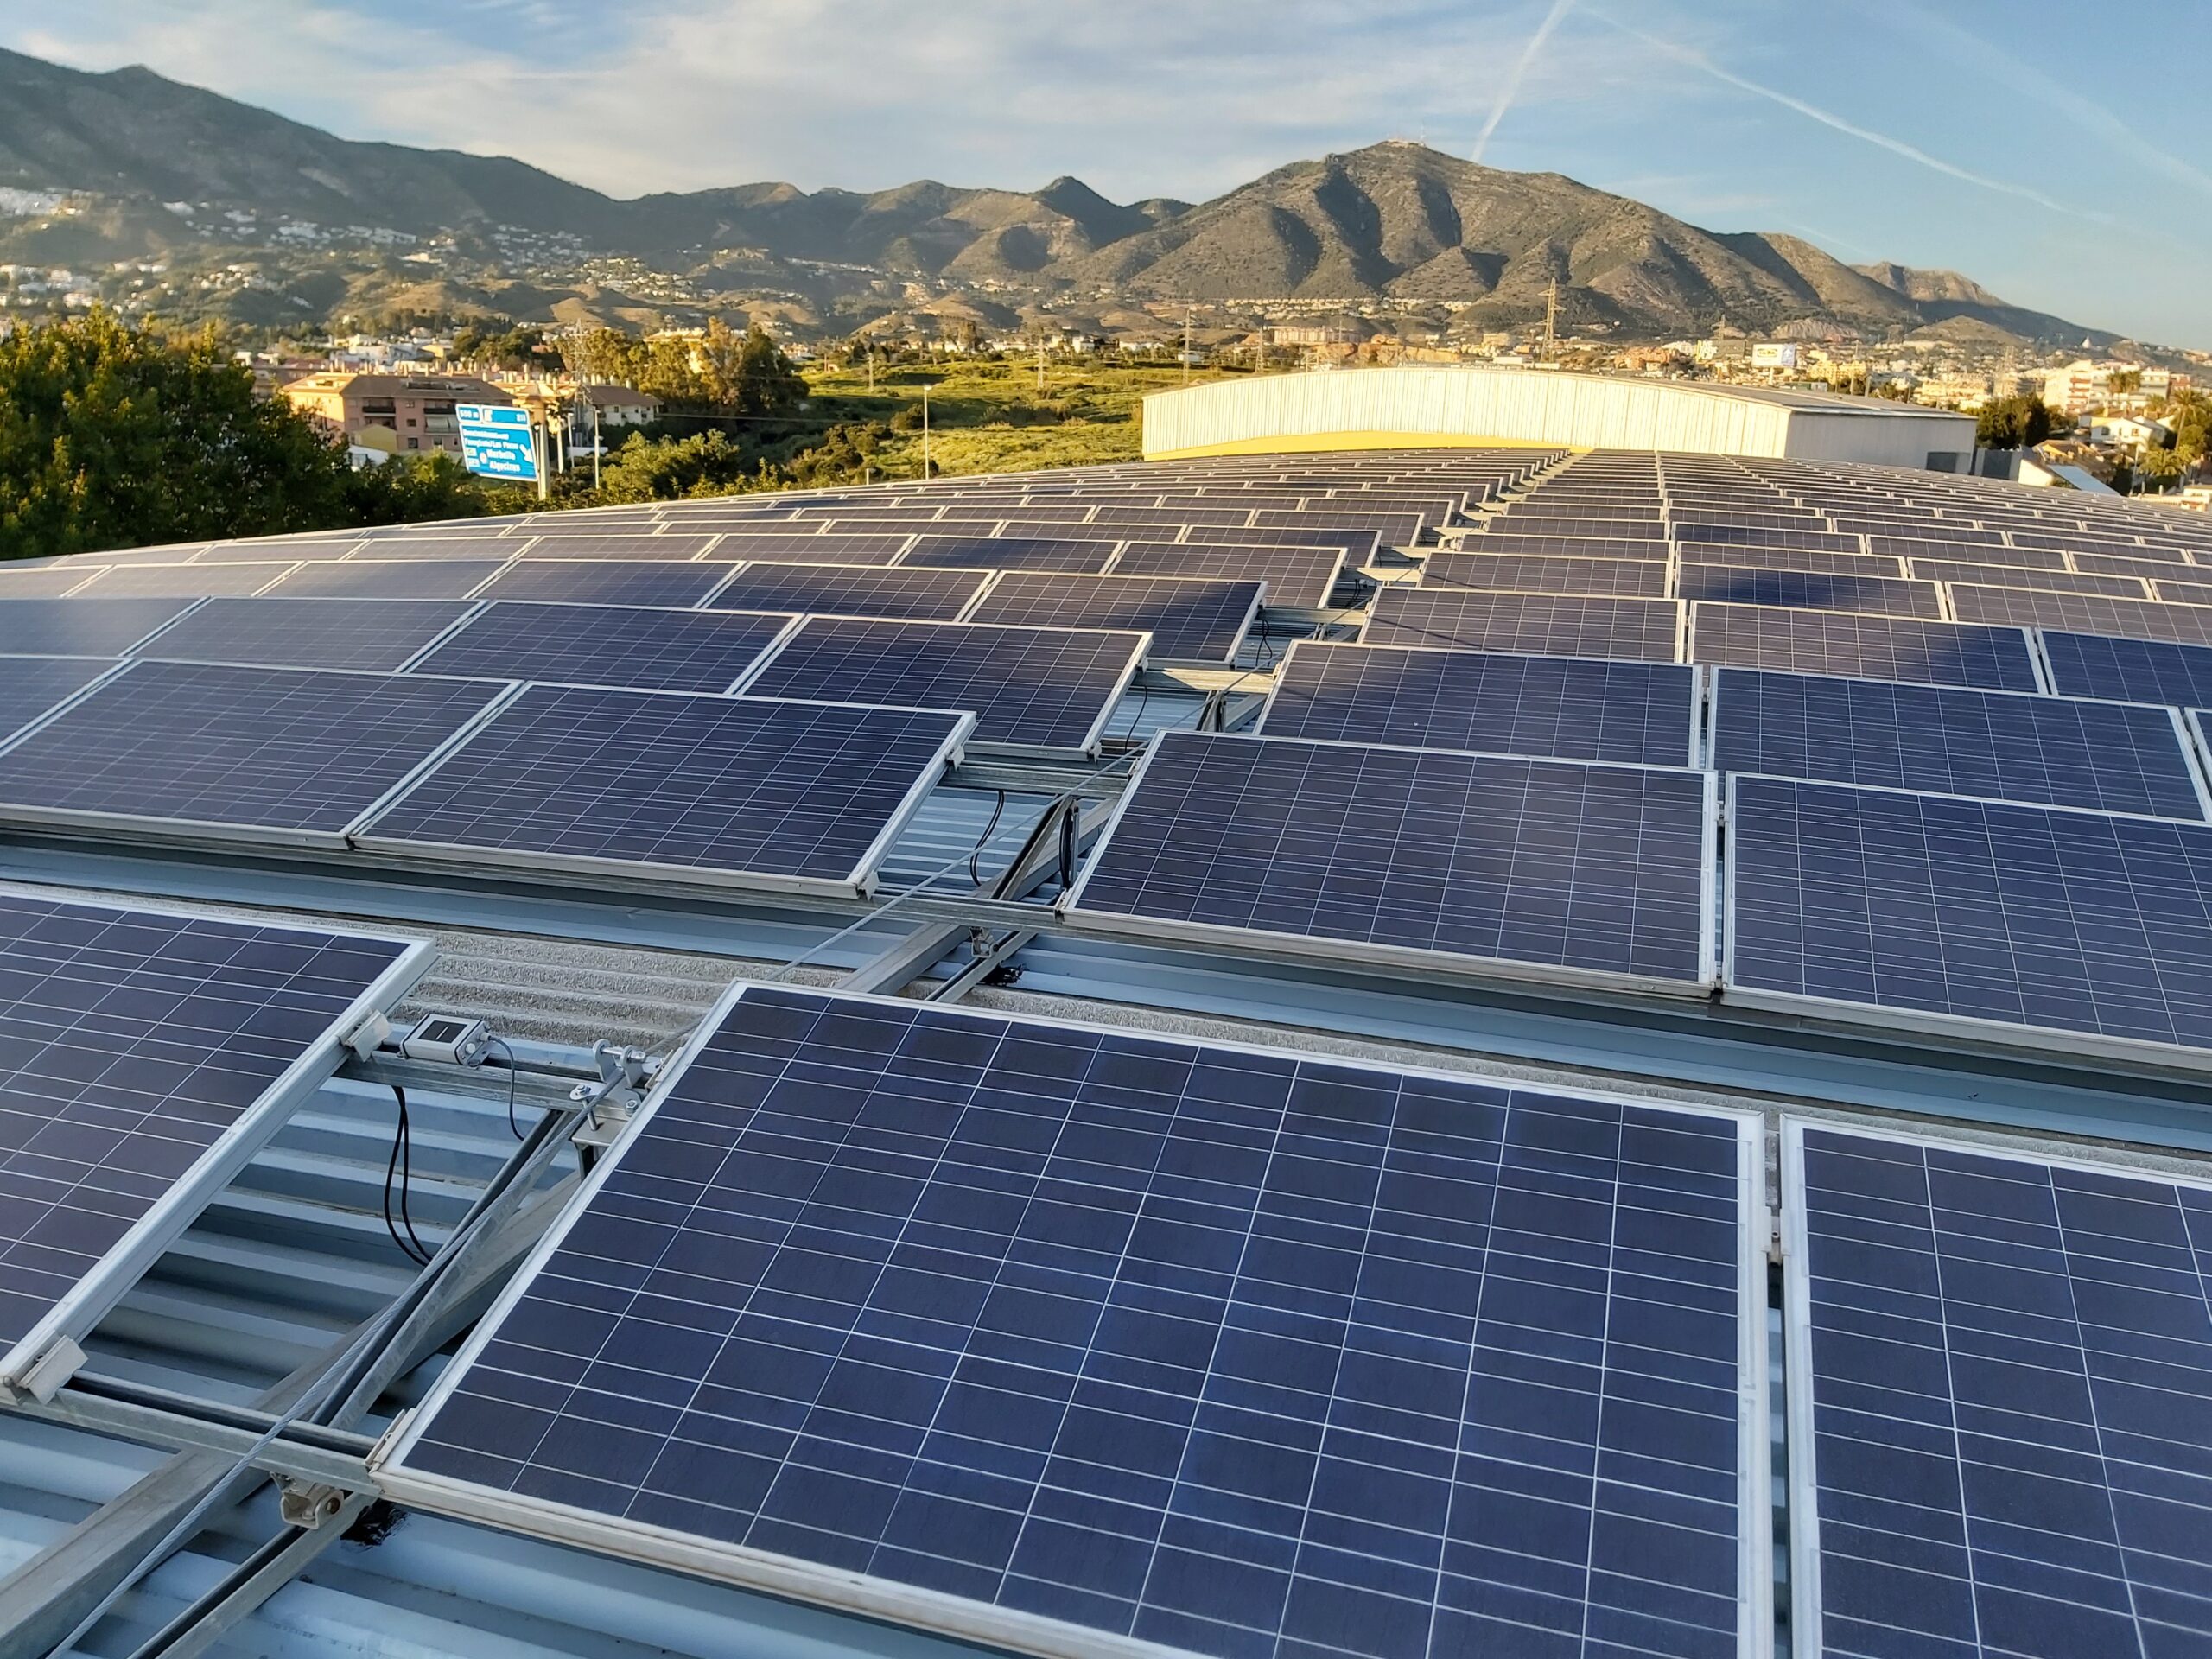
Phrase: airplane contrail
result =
(1827, 118)
(1512, 88)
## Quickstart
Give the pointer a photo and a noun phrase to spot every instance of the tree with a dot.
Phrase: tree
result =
(665, 469)
(2020, 422)
(111, 436)
(511, 345)
(606, 357)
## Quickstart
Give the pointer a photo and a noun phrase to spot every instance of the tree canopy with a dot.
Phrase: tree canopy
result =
(2020, 422)
(719, 371)
(116, 436)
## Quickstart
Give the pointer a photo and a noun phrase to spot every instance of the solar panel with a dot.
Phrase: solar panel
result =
(809, 550)
(607, 645)
(280, 550)
(1809, 560)
(853, 590)
(30, 686)
(606, 581)
(2110, 757)
(83, 627)
(447, 543)
(1742, 585)
(50, 582)
(1074, 556)
(2084, 931)
(1071, 1340)
(2108, 564)
(1547, 625)
(1359, 547)
(1999, 1449)
(1419, 860)
(2056, 581)
(184, 580)
(150, 1054)
(367, 634)
(1634, 713)
(1519, 573)
(1536, 544)
(2127, 619)
(2129, 671)
(1190, 621)
(567, 544)
(1298, 578)
(231, 753)
(1048, 690)
(393, 579)
(731, 790)
(1863, 647)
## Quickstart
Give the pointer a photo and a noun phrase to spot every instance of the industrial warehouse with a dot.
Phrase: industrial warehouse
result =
(1478, 1041)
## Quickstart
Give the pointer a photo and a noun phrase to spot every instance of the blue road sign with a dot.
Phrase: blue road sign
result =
(496, 441)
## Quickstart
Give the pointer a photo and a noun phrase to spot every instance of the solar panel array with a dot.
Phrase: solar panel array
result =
(605, 644)
(146, 1050)
(1072, 1340)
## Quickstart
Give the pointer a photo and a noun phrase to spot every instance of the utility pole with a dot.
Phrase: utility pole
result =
(1189, 312)
(871, 368)
(1040, 362)
(595, 446)
(1551, 320)
(925, 429)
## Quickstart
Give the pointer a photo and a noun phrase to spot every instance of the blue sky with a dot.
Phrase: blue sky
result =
(2054, 153)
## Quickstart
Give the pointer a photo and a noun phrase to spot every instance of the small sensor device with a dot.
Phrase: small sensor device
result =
(449, 1038)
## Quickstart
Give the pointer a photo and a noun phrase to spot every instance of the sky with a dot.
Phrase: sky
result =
(2053, 153)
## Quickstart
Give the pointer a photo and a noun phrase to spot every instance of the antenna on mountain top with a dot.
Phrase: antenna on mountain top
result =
(1551, 320)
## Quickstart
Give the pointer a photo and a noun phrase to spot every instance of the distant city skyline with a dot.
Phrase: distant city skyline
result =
(2041, 149)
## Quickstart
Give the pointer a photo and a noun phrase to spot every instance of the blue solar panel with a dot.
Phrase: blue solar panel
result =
(2126, 619)
(202, 748)
(1522, 573)
(721, 789)
(1050, 690)
(148, 1054)
(2135, 670)
(1742, 585)
(1190, 621)
(2110, 757)
(1411, 857)
(1296, 576)
(390, 578)
(2078, 929)
(1863, 647)
(2001, 1446)
(83, 627)
(607, 645)
(810, 549)
(853, 590)
(1075, 557)
(1636, 713)
(368, 634)
(606, 581)
(1545, 624)
(1072, 1340)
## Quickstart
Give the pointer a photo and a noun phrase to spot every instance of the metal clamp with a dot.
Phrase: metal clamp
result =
(307, 1504)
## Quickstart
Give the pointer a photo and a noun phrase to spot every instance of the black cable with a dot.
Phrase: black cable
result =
(974, 873)
(402, 1163)
(513, 1128)
(1144, 701)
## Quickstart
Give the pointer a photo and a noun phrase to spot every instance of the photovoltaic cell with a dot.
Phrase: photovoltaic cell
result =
(1542, 869)
(256, 752)
(148, 1054)
(183, 581)
(607, 645)
(1812, 561)
(1190, 621)
(1083, 1340)
(2108, 757)
(2005, 1363)
(1742, 585)
(569, 542)
(1030, 688)
(49, 582)
(1548, 625)
(1010, 553)
(1863, 647)
(2057, 581)
(852, 590)
(2067, 927)
(732, 789)
(1633, 713)
(2134, 670)
(606, 581)
(82, 627)
(366, 634)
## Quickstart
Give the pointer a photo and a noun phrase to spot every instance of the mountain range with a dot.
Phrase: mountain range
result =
(152, 169)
